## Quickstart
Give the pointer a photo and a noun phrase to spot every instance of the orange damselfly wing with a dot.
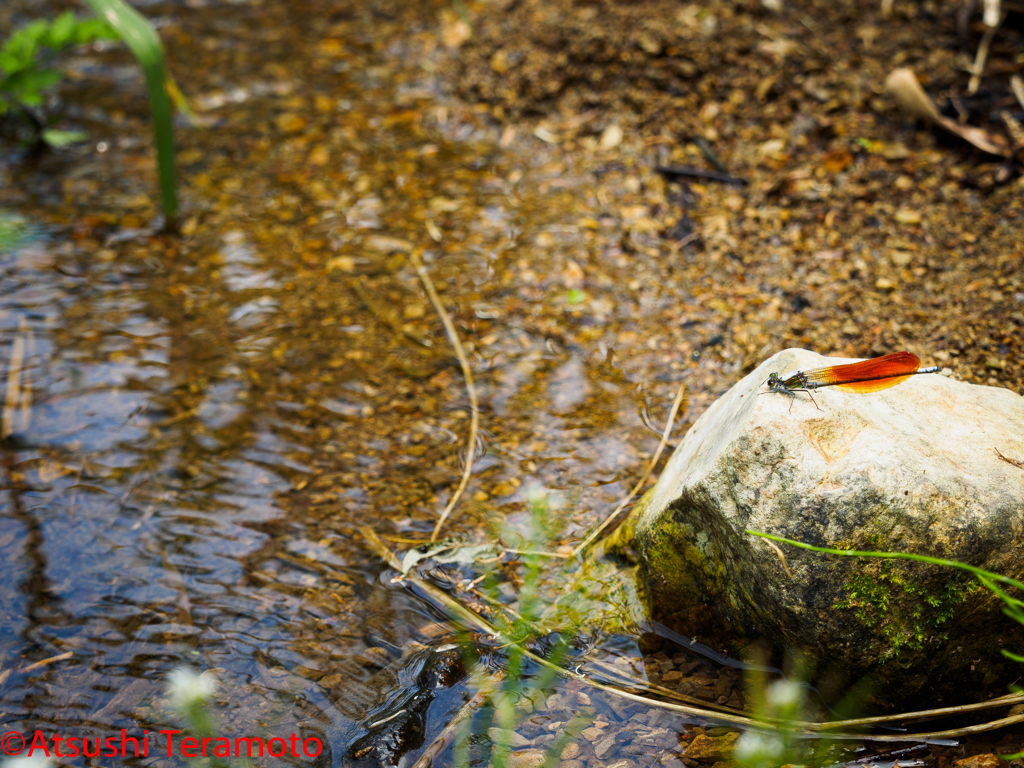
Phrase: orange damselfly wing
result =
(867, 375)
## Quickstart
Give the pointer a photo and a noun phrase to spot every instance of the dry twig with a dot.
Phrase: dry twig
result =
(44, 662)
(982, 57)
(33, 667)
(1017, 86)
(474, 421)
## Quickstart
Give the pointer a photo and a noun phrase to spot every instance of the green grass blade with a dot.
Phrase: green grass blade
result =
(979, 572)
(145, 44)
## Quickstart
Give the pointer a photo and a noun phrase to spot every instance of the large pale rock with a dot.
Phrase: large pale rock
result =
(908, 469)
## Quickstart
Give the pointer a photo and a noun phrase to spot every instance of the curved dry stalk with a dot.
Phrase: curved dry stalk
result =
(596, 533)
(474, 421)
(459, 611)
(782, 557)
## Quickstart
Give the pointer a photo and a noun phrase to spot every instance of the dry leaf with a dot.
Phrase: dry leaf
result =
(902, 85)
(836, 160)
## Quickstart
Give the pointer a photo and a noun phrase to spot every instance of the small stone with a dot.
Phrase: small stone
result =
(500, 62)
(517, 740)
(387, 244)
(591, 734)
(709, 749)
(373, 657)
(979, 761)
(901, 258)
(602, 747)
(611, 137)
(705, 694)
(290, 122)
(571, 764)
(885, 284)
(528, 758)
(908, 216)
(343, 263)
(456, 33)
(441, 204)
(570, 751)
(723, 687)
(894, 151)
(671, 677)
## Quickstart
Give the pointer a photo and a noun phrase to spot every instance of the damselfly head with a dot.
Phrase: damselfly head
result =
(773, 380)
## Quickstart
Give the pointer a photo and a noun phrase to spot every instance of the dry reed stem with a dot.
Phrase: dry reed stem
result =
(659, 689)
(44, 662)
(33, 667)
(459, 611)
(25, 414)
(474, 421)
(680, 395)
(1017, 86)
(982, 57)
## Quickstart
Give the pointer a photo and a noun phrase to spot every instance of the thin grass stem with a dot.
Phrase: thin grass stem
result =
(474, 421)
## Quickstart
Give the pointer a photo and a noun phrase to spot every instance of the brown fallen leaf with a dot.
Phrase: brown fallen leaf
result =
(903, 86)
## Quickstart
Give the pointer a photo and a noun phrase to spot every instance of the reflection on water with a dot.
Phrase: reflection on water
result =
(195, 429)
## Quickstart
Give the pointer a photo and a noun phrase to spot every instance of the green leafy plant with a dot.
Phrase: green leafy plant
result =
(25, 73)
(14, 230)
(26, 54)
(25, 64)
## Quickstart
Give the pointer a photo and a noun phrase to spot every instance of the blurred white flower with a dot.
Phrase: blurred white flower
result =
(186, 689)
(784, 694)
(536, 494)
(756, 748)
